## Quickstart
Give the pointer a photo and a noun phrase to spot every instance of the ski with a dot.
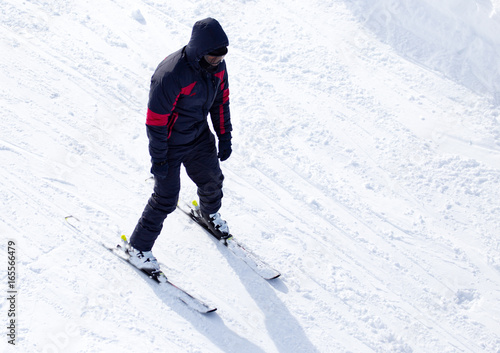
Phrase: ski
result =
(157, 276)
(253, 261)
(162, 280)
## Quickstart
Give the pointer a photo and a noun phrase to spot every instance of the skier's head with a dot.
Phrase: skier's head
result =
(208, 41)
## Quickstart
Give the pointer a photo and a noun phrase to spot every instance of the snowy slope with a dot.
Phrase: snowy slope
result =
(366, 168)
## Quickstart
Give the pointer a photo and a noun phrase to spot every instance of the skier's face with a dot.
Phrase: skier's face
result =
(214, 60)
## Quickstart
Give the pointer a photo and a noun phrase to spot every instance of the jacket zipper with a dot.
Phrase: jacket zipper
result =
(210, 82)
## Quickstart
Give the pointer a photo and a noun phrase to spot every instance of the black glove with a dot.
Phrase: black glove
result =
(224, 146)
(160, 169)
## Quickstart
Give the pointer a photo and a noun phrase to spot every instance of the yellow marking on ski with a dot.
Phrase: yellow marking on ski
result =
(124, 237)
(195, 204)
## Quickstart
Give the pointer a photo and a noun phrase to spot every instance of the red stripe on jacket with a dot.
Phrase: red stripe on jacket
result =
(225, 98)
(156, 119)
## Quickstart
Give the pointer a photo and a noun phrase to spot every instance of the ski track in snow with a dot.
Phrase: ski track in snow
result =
(365, 169)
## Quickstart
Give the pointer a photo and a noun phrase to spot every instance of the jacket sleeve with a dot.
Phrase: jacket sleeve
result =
(219, 112)
(163, 95)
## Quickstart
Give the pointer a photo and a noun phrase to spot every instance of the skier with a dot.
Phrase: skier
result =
(186, 86)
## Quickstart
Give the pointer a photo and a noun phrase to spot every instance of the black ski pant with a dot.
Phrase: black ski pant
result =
(202, 166)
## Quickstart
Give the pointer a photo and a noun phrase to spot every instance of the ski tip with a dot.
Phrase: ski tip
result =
(123, 237)
(194, 203)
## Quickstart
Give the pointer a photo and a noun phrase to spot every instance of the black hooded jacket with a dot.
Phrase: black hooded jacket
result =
(182, 93)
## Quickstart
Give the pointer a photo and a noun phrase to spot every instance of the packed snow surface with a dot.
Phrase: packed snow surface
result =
(365, 167)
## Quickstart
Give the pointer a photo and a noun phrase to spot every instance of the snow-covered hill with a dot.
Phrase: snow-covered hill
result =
(366, 168)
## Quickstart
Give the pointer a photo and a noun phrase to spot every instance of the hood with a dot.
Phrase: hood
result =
(207, 36)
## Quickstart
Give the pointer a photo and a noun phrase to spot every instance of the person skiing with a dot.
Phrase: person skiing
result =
(187, 85)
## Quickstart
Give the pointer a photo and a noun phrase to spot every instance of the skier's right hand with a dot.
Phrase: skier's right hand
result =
(160, 169)
(224, 146)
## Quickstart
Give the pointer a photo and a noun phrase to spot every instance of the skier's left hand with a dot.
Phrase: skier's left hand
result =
(224, 146)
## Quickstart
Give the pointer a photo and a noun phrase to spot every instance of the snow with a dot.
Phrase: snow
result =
(366, 168)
